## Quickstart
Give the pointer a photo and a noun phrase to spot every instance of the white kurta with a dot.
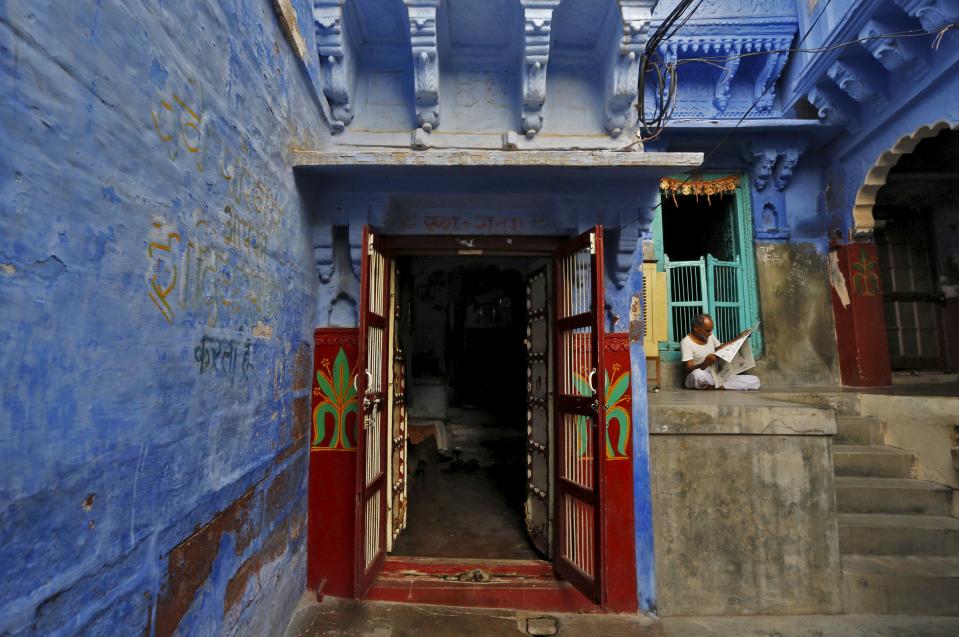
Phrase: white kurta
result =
(703, 378)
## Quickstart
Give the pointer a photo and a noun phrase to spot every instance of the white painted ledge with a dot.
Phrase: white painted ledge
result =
(532, 158)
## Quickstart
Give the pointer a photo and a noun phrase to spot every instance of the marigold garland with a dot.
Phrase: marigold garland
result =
(708, 187)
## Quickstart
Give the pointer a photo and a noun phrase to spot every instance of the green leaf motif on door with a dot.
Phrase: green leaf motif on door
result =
(616, 399)
(336, 386)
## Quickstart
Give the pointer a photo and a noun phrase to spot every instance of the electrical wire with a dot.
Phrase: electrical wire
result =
(738, 123)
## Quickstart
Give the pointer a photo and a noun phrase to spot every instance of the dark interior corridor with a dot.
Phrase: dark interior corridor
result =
(463, 324)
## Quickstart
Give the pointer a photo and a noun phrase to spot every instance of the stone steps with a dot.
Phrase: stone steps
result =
(900, 585)
(858, 430)
(887, 534)
(892, 495)
(873, 461)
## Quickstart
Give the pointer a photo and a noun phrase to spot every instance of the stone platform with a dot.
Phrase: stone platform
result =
(744, 507)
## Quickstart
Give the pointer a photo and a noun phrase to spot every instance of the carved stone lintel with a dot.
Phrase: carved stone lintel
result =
(721, 96)
(537, 21)
(336, 60)
(624, 75)
(426, 80)
(855, 83)
(932, 14)
(891, 52)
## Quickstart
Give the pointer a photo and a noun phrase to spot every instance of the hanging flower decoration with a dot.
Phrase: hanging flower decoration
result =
(707, 187)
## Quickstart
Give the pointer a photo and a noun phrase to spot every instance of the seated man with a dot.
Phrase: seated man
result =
(697, 349)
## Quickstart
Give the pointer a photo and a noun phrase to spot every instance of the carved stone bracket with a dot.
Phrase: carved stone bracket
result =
(855, 82)
(323, 250)
(625, 249)
(891, 52)
(426, 71)
(829, 110)
(932, 14)
(771, 164)
(624, 75)
(764, 92)
(336, 61)
(537, 21)
(732, 51)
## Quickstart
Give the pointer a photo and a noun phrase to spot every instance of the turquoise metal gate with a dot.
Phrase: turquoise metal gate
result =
(705, 285)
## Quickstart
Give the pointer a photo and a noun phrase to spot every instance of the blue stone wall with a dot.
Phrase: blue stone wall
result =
(157, 292)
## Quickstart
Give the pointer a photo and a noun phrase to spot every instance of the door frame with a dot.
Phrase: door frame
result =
(523, 246)
(745, 243)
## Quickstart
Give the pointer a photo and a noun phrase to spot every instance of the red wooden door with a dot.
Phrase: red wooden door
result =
(579, 411)
(373, 429)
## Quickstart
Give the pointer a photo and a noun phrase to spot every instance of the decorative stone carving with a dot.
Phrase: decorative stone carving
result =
(763, 163)
(891, 52)
(932, 14)
(827, 109)
(728, 49)
(764, 91)
(624, 75)
(426, 80)
(626, 244)
(854, 82)
(323, 250)
(336, 60)
(537, 20)
(732, 52)
(784, 170)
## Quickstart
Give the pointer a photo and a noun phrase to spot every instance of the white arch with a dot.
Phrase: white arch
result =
(876, 177)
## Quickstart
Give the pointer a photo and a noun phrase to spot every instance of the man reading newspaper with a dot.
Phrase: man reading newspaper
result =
(714, 365)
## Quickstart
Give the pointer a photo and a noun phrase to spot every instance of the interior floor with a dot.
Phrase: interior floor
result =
(462, 325)
(466, 507)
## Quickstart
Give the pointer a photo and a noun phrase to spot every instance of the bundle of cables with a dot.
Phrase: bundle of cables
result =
(660, 72)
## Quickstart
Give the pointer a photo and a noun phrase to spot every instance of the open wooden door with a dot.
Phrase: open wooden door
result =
(539, 503)
(372, 434)
(579, 411)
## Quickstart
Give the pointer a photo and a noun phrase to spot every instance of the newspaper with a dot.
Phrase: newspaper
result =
(735, 358)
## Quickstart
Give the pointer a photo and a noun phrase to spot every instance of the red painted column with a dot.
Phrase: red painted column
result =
(332, 480)
(619, 537)
(860, 324)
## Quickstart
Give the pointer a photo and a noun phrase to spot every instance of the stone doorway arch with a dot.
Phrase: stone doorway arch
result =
(862, 211)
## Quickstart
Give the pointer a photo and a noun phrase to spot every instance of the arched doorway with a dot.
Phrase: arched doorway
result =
(916, 230)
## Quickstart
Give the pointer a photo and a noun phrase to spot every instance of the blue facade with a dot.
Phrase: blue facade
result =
(157, 294)
(162, 266)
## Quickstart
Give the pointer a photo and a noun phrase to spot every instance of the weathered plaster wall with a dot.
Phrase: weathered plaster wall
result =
(744, 524)
(157, 290)
(794, 294)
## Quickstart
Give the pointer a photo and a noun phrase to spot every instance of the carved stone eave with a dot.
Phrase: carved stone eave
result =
(728, 48)
(932, 14)
(854, 82)
(624, 74)
(893, 53)
(337, 71)
(426, 69)
(537, 23)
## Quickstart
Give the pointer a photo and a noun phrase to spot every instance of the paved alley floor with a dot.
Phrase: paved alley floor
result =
(337, 617)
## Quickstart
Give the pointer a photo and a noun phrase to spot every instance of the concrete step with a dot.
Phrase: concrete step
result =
(894, 585)
(858, 430)
(887, 534)
(872, 461)
(892, 495)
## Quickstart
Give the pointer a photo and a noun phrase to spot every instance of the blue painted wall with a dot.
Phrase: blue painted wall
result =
(157, 292)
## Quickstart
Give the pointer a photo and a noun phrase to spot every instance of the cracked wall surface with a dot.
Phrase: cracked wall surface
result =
(158, 290)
